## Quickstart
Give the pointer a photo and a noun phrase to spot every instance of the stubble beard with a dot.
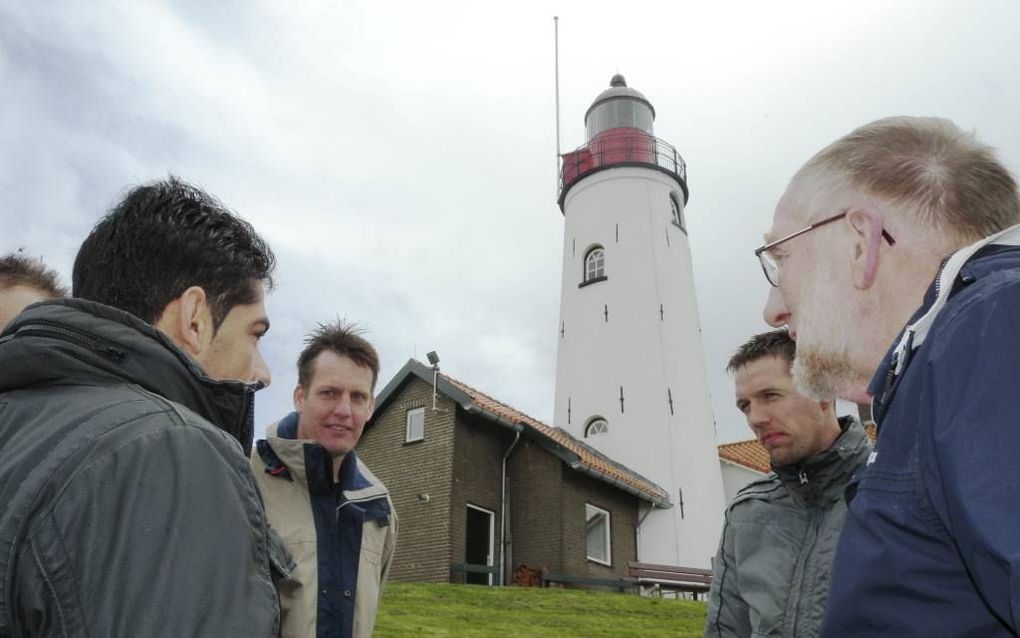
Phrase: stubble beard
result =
(822, 375)
(824, 366)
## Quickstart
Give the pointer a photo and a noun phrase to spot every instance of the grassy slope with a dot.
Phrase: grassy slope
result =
(465, 610)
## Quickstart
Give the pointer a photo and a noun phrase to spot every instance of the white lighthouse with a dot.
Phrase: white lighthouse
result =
(630, 372)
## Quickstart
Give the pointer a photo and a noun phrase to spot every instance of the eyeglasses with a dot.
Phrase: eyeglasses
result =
(768, 262)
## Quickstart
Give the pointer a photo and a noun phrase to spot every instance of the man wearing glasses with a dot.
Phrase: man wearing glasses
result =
(894, 260)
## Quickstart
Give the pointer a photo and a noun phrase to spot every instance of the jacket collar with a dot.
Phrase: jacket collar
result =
(945, 281)
(960, 269)
(305, 461)
(824, 475)
(82, 342)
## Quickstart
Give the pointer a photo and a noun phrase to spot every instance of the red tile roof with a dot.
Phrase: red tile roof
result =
(749, 454)
(752, 455)
(588, 456)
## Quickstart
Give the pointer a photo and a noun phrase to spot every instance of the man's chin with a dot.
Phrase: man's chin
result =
(821, 375)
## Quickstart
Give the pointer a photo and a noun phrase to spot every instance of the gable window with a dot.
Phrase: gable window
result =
(676, 212)
(597, 425)
(596, 530)
(415, 425)
(594, 265)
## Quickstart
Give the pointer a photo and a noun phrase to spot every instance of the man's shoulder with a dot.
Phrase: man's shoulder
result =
(758, 493)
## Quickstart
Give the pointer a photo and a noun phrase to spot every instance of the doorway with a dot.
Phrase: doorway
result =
(478, 543)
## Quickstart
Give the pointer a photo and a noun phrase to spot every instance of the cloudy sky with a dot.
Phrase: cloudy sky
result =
(400, 156)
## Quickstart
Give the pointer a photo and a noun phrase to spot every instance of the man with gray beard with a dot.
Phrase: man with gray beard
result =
(912, 222)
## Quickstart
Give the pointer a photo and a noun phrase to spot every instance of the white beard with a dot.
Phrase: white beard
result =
(824, 366)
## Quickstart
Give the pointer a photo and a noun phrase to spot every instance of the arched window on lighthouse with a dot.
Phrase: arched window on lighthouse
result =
(596, 425)
(676, 212)
(594, 265)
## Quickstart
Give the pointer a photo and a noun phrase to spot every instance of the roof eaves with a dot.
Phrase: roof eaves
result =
(743, 466)
(416, 368)
(657, 501)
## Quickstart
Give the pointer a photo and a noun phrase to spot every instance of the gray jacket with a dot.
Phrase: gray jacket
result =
(771, 574)
(127, 507)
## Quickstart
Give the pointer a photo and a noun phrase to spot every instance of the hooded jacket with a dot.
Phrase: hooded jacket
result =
(127, 507)
(342, 535)
(931, 545)
(771, 574)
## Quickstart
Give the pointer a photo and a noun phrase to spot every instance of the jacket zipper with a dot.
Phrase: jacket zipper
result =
(70, 335)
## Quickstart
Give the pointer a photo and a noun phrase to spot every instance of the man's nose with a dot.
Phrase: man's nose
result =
(261, 370)
(775, 312)
(342, 407)
(756, 417)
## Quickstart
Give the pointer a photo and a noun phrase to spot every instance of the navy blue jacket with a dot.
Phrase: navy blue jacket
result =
(931, 543)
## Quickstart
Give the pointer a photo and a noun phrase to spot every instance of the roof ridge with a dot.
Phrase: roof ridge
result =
(586, 454)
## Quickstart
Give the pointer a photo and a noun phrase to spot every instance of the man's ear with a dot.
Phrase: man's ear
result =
(299, 398)
(867, 226)
(188, 322)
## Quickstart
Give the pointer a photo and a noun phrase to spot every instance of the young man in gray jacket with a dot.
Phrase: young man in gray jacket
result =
(771, 574)
(127, 506)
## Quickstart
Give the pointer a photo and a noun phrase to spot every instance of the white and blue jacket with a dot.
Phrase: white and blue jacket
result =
(342, 535)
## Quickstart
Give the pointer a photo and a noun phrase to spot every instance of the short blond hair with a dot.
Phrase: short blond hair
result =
(927, 166)
(17, 269)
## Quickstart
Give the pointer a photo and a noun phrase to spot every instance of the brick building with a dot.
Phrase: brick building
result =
(474, 480)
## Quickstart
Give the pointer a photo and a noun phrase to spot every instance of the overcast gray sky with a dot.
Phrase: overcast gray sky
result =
(399, 156)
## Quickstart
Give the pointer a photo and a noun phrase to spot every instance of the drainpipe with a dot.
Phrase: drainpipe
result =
(502, 512)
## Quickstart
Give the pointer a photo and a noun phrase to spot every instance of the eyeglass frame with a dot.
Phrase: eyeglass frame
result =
(762, 252)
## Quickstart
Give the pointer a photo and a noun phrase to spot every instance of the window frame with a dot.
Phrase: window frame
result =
(676, 215)
(608, 536)
(592, 422)
(588, 278)
(407, 425)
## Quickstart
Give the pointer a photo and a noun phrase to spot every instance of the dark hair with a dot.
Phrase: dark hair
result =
(776, 343)
(18, 270)
(163, 238)
(344, 339)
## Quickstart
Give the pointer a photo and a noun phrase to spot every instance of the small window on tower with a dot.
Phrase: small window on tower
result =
(596, 425)
(676, 212)
(594, 265)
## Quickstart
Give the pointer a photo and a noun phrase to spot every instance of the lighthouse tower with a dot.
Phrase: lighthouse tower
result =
(630, 372)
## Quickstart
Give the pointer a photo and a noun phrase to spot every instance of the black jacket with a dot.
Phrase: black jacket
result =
(127, 507)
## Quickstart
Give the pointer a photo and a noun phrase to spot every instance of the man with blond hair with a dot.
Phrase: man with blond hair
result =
(894, 261)
(23, 282)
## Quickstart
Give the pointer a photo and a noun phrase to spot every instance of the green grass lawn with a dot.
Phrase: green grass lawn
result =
(470, 610)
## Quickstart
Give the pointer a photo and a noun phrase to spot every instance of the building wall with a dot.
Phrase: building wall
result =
(479, 446)
(536, 500)
(735, 477)
(579, 489)
(412, 469)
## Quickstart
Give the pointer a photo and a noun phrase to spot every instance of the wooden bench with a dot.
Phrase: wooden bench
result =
(621, 584)
(654, 578)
